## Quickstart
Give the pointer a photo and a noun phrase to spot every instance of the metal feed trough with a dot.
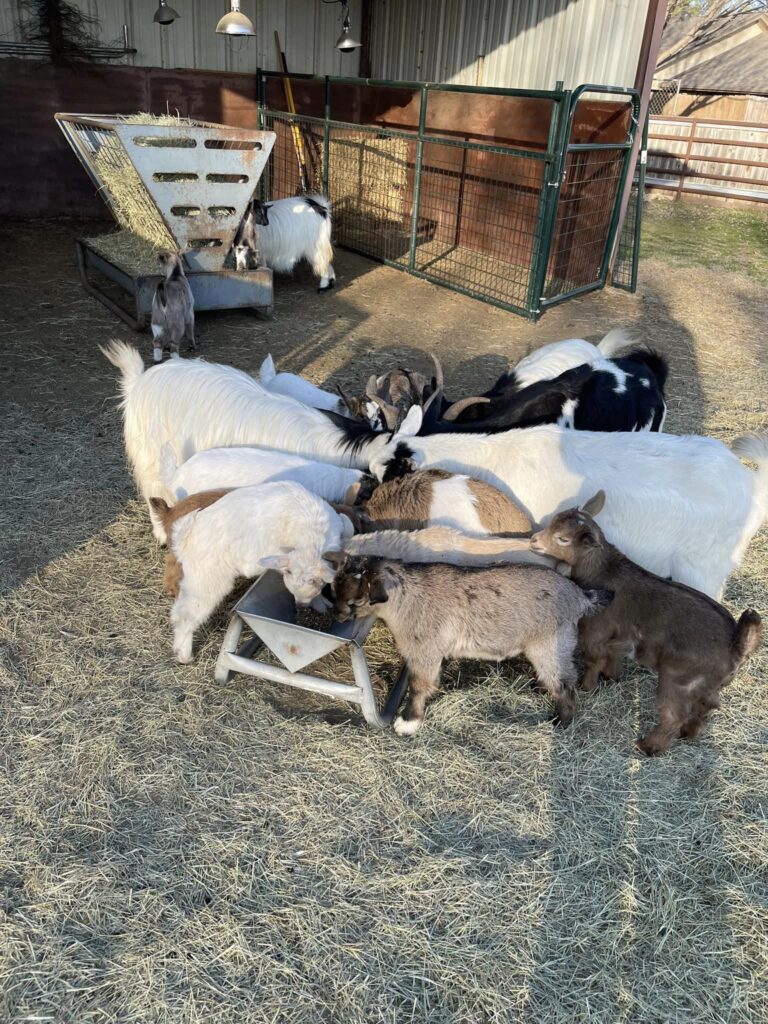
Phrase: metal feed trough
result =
(183, 187)
(269, 612)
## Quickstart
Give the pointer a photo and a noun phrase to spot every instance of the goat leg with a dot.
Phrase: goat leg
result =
(421, 689)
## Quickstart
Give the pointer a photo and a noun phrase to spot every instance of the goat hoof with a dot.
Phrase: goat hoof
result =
(326, 287)
(406, 726)
(648, 746)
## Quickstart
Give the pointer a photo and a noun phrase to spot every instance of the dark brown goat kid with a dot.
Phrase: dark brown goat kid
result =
(693, 643)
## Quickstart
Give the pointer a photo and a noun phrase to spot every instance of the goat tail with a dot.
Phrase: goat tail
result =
(128, 361)
(267, 371)
(615, 340)
(755, 448)
(597, 600)
(749, 630)
(168, 465)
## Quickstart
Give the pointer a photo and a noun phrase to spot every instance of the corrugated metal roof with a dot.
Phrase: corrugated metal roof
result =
(508, 43)
(308, 30)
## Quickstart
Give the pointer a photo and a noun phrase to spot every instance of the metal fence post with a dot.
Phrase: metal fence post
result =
(560, 136)
(540, 255)
(417, 179)
(614, 225)
(326, 134)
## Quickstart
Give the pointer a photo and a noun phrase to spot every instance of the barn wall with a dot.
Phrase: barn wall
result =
(509, 43)
(40, 175)
(308, 30)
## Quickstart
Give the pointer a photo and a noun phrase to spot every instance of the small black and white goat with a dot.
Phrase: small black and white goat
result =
(282, 233)
(173, 309)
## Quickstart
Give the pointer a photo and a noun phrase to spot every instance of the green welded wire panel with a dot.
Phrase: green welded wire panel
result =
(626, 264)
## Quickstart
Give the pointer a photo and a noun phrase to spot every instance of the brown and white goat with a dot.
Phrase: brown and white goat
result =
(168, 515)
(433, 496)
(693, 643)
(440, 611)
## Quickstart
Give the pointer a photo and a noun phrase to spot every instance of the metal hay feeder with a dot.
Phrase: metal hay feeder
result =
(182, 186)
(269, 611)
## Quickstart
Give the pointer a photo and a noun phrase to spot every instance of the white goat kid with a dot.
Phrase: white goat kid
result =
(173, 309)
(293, 386)
(291, 230)
(247, 531)
(246, 467)
(682, 507)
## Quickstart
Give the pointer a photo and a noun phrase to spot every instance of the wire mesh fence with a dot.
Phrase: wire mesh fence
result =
(445, 204)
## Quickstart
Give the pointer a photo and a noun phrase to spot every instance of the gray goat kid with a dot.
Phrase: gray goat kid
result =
(173, 309)
(438, 611)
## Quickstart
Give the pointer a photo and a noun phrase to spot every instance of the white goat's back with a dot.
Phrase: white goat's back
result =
(683, 507)
(550, 361)
(295, 231)
(194, 405)
(246, 467)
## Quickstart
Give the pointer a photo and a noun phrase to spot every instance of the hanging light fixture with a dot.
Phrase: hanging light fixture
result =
(346, 41)
(164, 14)
(235, 23)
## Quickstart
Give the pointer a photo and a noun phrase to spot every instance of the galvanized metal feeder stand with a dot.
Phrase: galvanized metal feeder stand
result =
(192, 182)
(269, 611)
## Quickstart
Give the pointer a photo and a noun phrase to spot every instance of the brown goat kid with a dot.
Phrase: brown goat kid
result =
(693, 643)
(168, 515)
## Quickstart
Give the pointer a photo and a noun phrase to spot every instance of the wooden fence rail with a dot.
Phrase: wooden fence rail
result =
(707, 157)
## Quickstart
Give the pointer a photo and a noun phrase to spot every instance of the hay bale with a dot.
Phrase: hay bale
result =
(129, 251)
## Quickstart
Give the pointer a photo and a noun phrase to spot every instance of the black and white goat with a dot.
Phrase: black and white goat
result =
(282, 233)
(173, 309)
(572, 383)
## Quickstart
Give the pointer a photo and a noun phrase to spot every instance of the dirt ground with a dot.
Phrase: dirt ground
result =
(172, 850)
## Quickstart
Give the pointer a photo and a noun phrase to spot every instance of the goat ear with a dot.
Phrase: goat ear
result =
(378, 593)
(336, 558)
(274, 562)
(411, 425)
(595, 504)
(267, 368)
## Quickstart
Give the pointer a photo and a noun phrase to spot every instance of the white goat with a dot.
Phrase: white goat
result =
(194, 405)
(683, 507)
(245, 467)
(291, 230)
(247, 531)
(293, 386)
(550, 361)
(173, 309)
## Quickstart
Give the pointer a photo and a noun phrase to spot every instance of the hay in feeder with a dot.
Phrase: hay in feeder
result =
(131, 203)
(129, 251)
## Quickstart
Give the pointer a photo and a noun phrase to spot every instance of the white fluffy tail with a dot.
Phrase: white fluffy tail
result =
(128, 361)
(615, 340)
(267, 371)
(755, 448)
(168, 467)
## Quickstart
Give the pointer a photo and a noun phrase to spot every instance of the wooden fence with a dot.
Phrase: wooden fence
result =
(705, 157)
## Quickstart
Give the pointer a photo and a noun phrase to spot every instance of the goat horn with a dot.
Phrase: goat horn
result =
(350, 403)
(372, 385)
(455, 410)
(438, 383)
(438, 372)
(389, 412)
